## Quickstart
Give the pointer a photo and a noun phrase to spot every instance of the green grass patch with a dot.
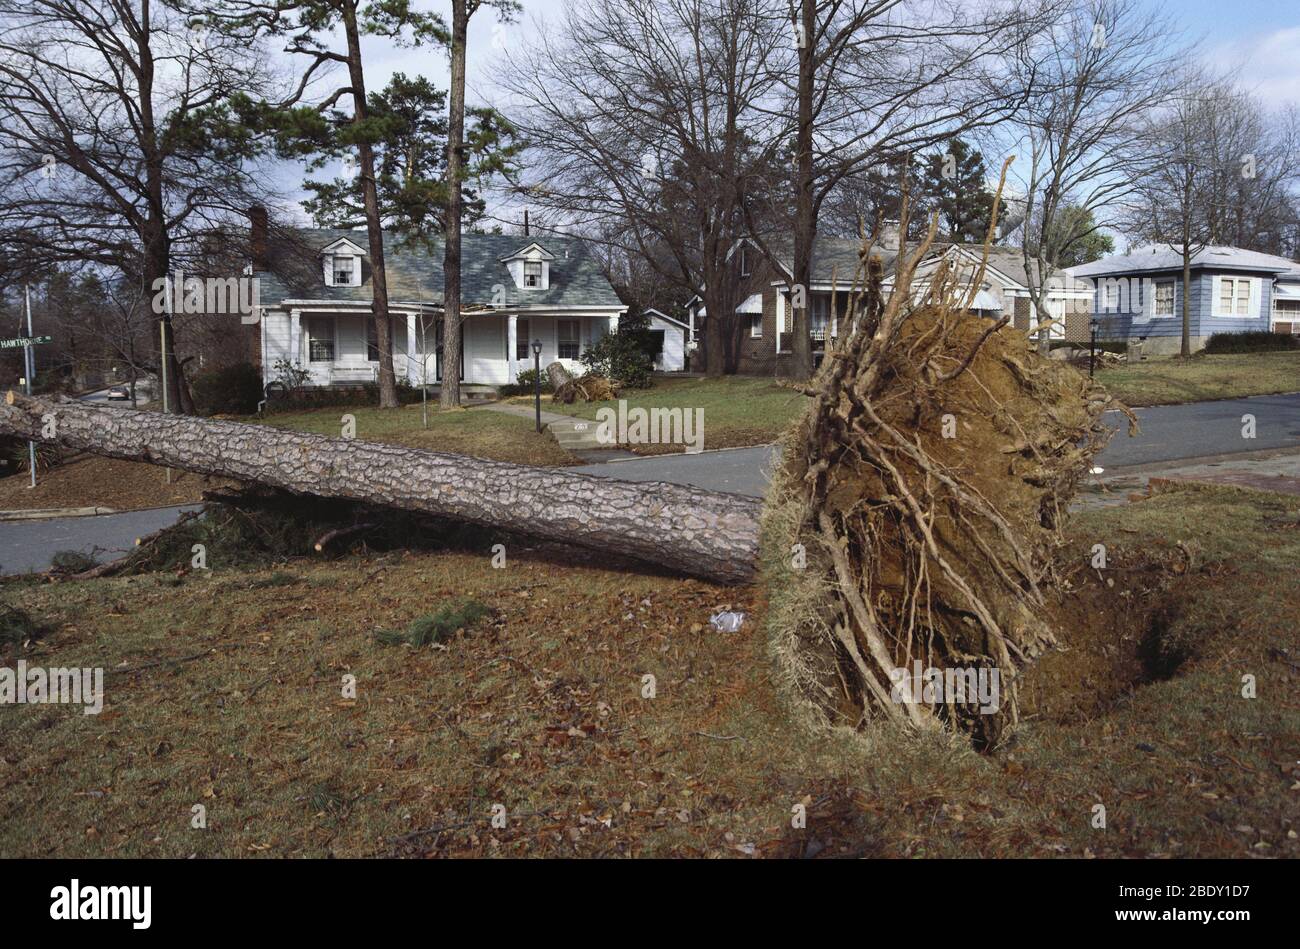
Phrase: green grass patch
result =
(478, 432)
(436, 627)
(1203, 377)
(738, 410)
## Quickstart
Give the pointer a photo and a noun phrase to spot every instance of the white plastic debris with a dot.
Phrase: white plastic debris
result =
(727, 622)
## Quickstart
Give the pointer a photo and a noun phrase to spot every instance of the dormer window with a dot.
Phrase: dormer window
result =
(342, 263)
(530, 267)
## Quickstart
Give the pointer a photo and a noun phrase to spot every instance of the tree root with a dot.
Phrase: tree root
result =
(926, 488)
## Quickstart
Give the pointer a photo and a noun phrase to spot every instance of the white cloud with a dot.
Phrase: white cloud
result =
(1267, 64)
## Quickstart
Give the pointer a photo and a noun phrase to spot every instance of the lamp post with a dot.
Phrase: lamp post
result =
(537, 381)
(1093, 326)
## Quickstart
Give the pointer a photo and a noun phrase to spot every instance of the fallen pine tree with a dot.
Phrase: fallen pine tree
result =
(701, 533)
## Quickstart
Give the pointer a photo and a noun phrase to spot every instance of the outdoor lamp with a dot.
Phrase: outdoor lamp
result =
(537, 381)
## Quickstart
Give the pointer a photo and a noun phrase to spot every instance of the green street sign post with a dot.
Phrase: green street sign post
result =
(24, 341)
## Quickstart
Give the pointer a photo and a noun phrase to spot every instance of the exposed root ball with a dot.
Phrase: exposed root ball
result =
(917, 514)
(589, 388)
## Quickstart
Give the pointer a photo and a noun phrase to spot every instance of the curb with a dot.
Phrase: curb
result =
(53, 512)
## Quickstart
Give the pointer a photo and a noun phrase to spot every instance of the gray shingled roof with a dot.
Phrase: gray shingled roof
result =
(833, 258)
(837, 258)
(415, 273)
(1165, 257)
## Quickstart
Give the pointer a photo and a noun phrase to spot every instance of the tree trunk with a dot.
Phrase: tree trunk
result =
(557, 375)
(153, 226)
(450, 391)
(805, 218)
(374, 226)
(702, 533)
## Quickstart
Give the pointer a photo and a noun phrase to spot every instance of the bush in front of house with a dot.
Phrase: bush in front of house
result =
(228, 390)
(623, 357)
(322, 397)
(524, 385)
(1117, 346)
(1260, 342)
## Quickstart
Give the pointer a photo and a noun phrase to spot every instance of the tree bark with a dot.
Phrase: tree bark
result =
(153, 225)
(374, 226)
(557, 375)
(701, 533)
(805, 215)
(449, 396)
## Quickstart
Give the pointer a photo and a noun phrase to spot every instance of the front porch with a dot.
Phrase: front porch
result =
(338, 348)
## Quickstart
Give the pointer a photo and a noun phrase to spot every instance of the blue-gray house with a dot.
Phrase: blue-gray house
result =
(1139, 295)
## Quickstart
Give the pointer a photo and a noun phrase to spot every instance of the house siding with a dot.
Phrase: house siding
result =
(277, 335)
(1167, 330)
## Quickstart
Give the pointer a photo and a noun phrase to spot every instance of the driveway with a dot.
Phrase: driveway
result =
(737, 470)
(29, 546)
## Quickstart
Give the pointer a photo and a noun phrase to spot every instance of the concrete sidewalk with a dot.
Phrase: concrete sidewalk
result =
(573, 434)
(1278, 471)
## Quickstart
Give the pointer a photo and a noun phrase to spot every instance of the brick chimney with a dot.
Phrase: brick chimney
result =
(257, 237)
(890, 235)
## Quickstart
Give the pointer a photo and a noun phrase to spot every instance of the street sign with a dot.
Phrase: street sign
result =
(24, 341)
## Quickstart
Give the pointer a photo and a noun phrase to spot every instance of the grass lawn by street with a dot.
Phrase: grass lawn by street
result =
(223, 688)
(1203, 377)
(492, 435)
(91, 481)
(738, 410)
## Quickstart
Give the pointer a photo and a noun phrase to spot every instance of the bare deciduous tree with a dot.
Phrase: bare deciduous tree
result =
(115, 148)
(872, 80)
(1093, 76)
(649, 125)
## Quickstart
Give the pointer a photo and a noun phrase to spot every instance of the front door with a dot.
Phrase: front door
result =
(437, 361)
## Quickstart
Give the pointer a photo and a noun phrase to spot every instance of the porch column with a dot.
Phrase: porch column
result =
(613, 323)
(512, 336)
(295, 337)
(412, 375)
(780, 316)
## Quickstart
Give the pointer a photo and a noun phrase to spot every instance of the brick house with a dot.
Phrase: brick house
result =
(766, 344)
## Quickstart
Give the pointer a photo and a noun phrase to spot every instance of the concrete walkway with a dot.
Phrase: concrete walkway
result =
(573, 434)
(1276, 471)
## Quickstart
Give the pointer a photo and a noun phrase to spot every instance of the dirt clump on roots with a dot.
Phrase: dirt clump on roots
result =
(588, 388)
(916, 520)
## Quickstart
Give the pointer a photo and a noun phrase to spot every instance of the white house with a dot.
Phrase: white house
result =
(315, 293)
(670, 337)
